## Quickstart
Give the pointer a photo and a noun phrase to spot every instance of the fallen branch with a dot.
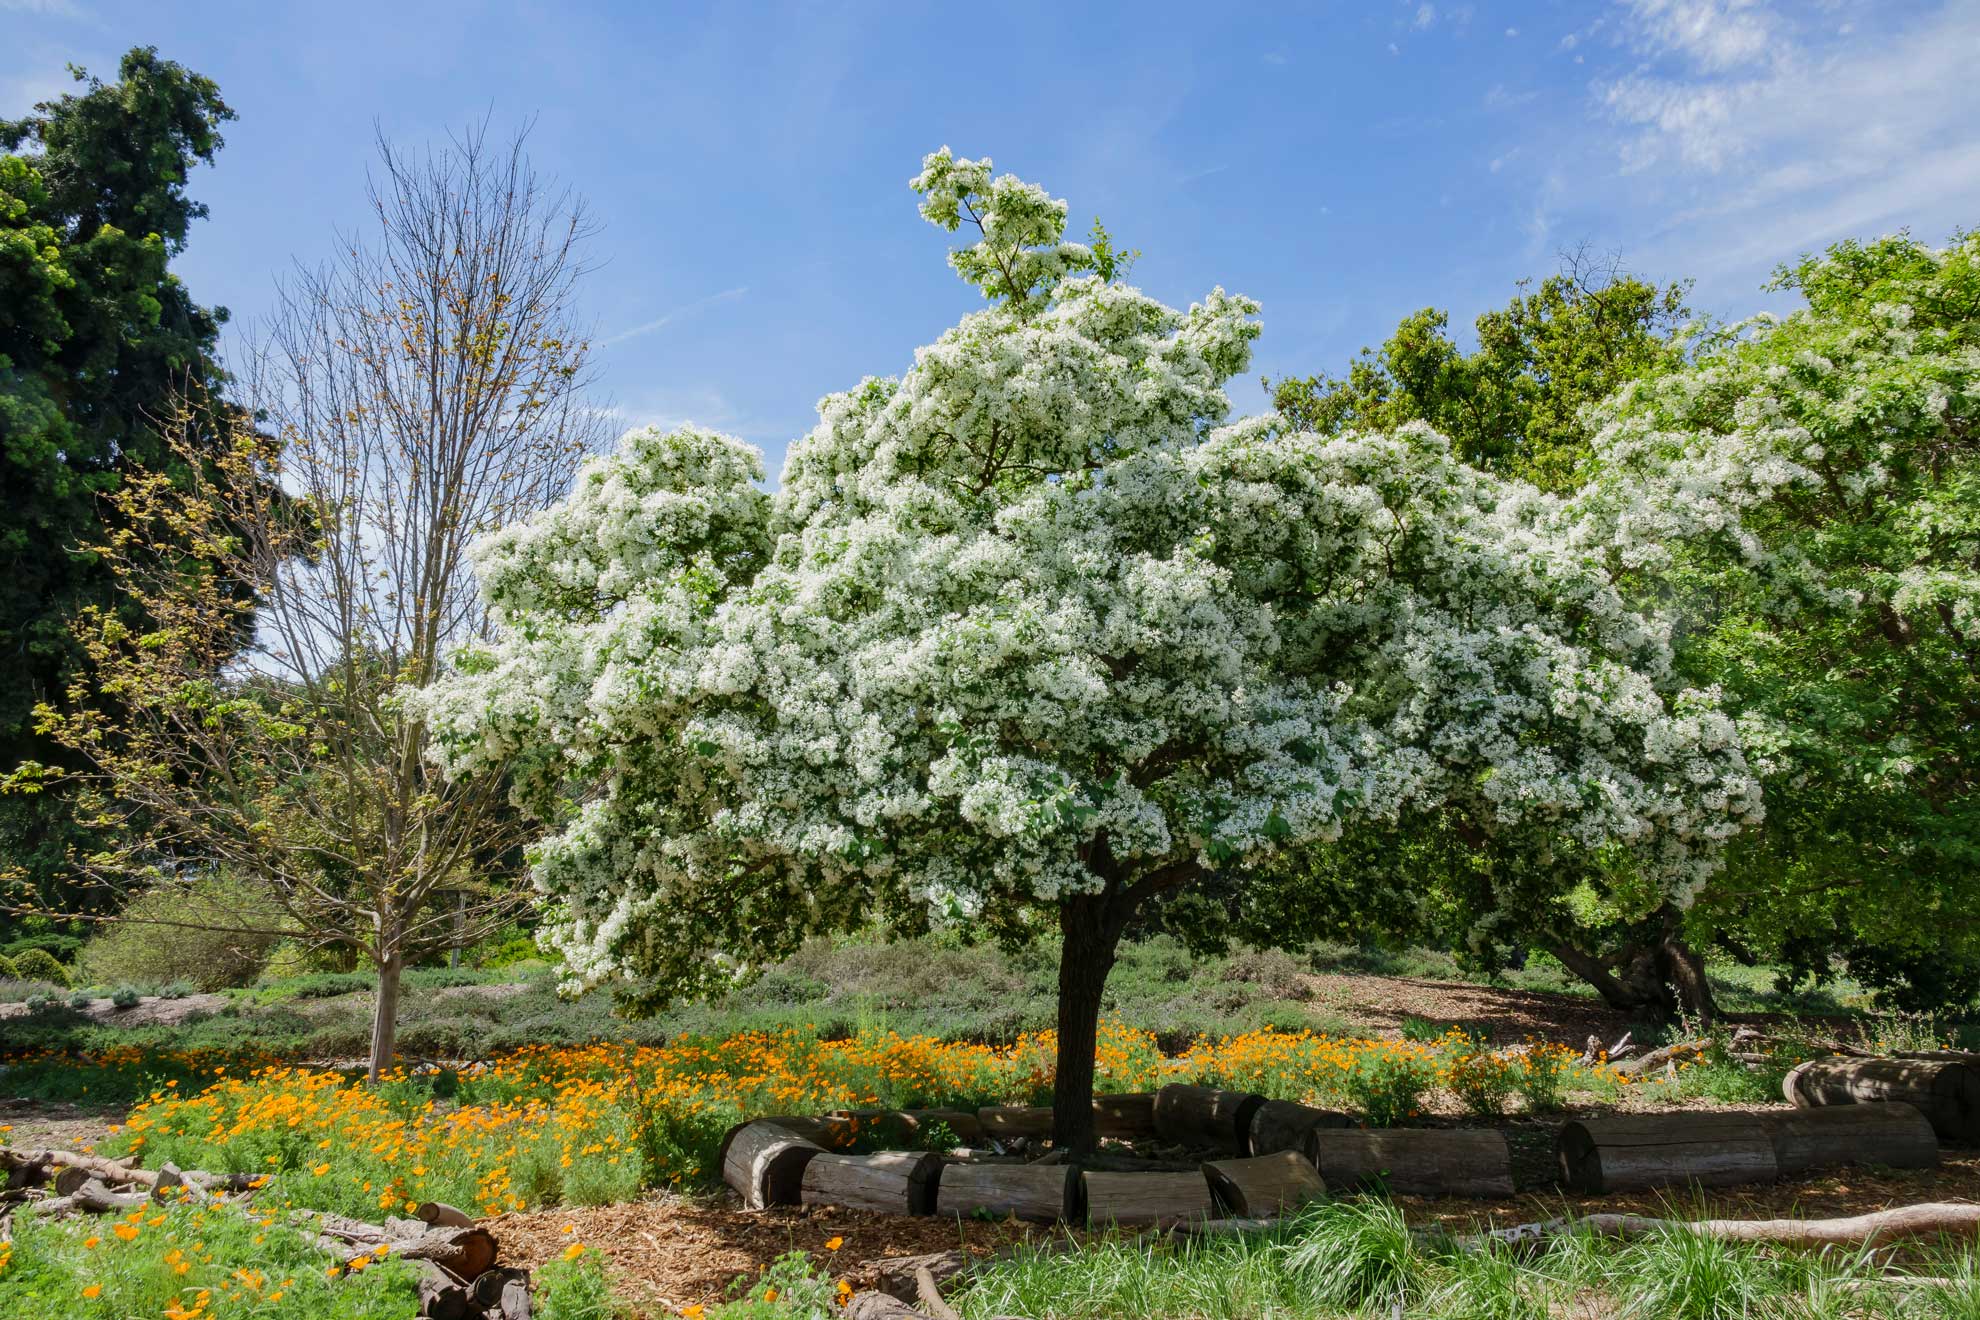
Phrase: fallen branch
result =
(1931, 1219)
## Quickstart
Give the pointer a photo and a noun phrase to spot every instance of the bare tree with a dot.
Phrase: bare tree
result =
(423, 388)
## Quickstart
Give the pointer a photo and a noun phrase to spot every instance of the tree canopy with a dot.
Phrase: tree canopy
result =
(1029, 636)
(98, 342)
(1806, 496)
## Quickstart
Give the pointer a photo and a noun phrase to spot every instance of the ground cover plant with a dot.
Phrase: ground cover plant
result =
(592, 1124)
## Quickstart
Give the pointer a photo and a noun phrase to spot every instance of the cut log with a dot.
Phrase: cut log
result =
(1414, 1161)
(1007, 1123)
(824, 1131)
(900, 1276)
(441, 1295)
(1947, 1091)
(1127, 1199)
(1264, 1186)
(90, 1194)
(1129, 1116)
(1893, 1135)
(1041, 1193)
(1203, 1118)
(26, 1168)
(1280, 1125)
(1659, 1057)
(765, 1164)
(111, 1172)
(466, 1253)
(893, 1183)
(442, 1214)
(879, 1306)
(1634, 1151)
(502, 1293)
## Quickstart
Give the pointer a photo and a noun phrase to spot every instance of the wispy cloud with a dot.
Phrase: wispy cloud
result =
(677, 314)
(1758, 132)
(48, 8)
(1426, 15)
(1194, 175)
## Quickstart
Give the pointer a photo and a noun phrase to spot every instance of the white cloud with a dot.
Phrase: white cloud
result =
(1512, 32)
(668, 318)
(1425, 16)
(1756, 132)
(1716, 34)
(50, 8)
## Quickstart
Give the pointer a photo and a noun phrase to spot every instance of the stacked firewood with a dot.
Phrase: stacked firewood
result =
(459, 1278)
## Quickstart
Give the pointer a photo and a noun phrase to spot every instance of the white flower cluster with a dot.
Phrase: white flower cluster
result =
(1030, 606)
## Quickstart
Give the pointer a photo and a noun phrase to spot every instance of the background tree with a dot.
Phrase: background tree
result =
(1807, 495)
(1026, 639)
(420, 391)
(97, 340)
(1515, 405)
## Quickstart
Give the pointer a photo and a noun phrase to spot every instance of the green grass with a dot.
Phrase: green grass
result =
(1355, 1258)
(245, 1262)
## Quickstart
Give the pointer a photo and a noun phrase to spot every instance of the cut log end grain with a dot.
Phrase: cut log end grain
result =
(1203, 1118)
(765, 1162)
(1635, 1151)
(1280, 1125)
(1946, 1091)
(1131, 1199)
(1040, 1193)
(1264, 1186)
(893, 1182)
(1414, 1161)
(440, 1213)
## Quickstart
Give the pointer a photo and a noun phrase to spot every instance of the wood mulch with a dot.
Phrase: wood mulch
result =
(668, 1252)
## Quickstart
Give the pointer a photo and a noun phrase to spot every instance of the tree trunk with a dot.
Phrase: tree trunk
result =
(385, 1018)
(1658, 972)
(1091, 934)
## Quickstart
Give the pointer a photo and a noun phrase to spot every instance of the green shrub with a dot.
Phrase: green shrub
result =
(1387, 1086)
(215, 933)
(8, 972)
(1541, 1076)
(576, 1289)
(40, 965)
(791, 1289)
(81, 1000)
(1482, 1081)
(124, 996)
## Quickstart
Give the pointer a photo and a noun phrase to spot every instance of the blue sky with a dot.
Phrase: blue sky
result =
(1342, 163)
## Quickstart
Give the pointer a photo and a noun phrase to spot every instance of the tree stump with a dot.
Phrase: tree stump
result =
(1203, 1118)
(1634, 1151)
(1129, 1116)
(1414, 1161)
(765, 1163)
(1012, 1122)
(1147, 1198)
(1280, 1125)
(441, 1295)
(1264, 1186)
(1041, 1193)
(1946, 1091)
(503, 1294)
(894, 1183)
(1892, 1134)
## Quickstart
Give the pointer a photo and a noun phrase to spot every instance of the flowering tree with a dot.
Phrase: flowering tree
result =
(1806, 493)
(1027, 638)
